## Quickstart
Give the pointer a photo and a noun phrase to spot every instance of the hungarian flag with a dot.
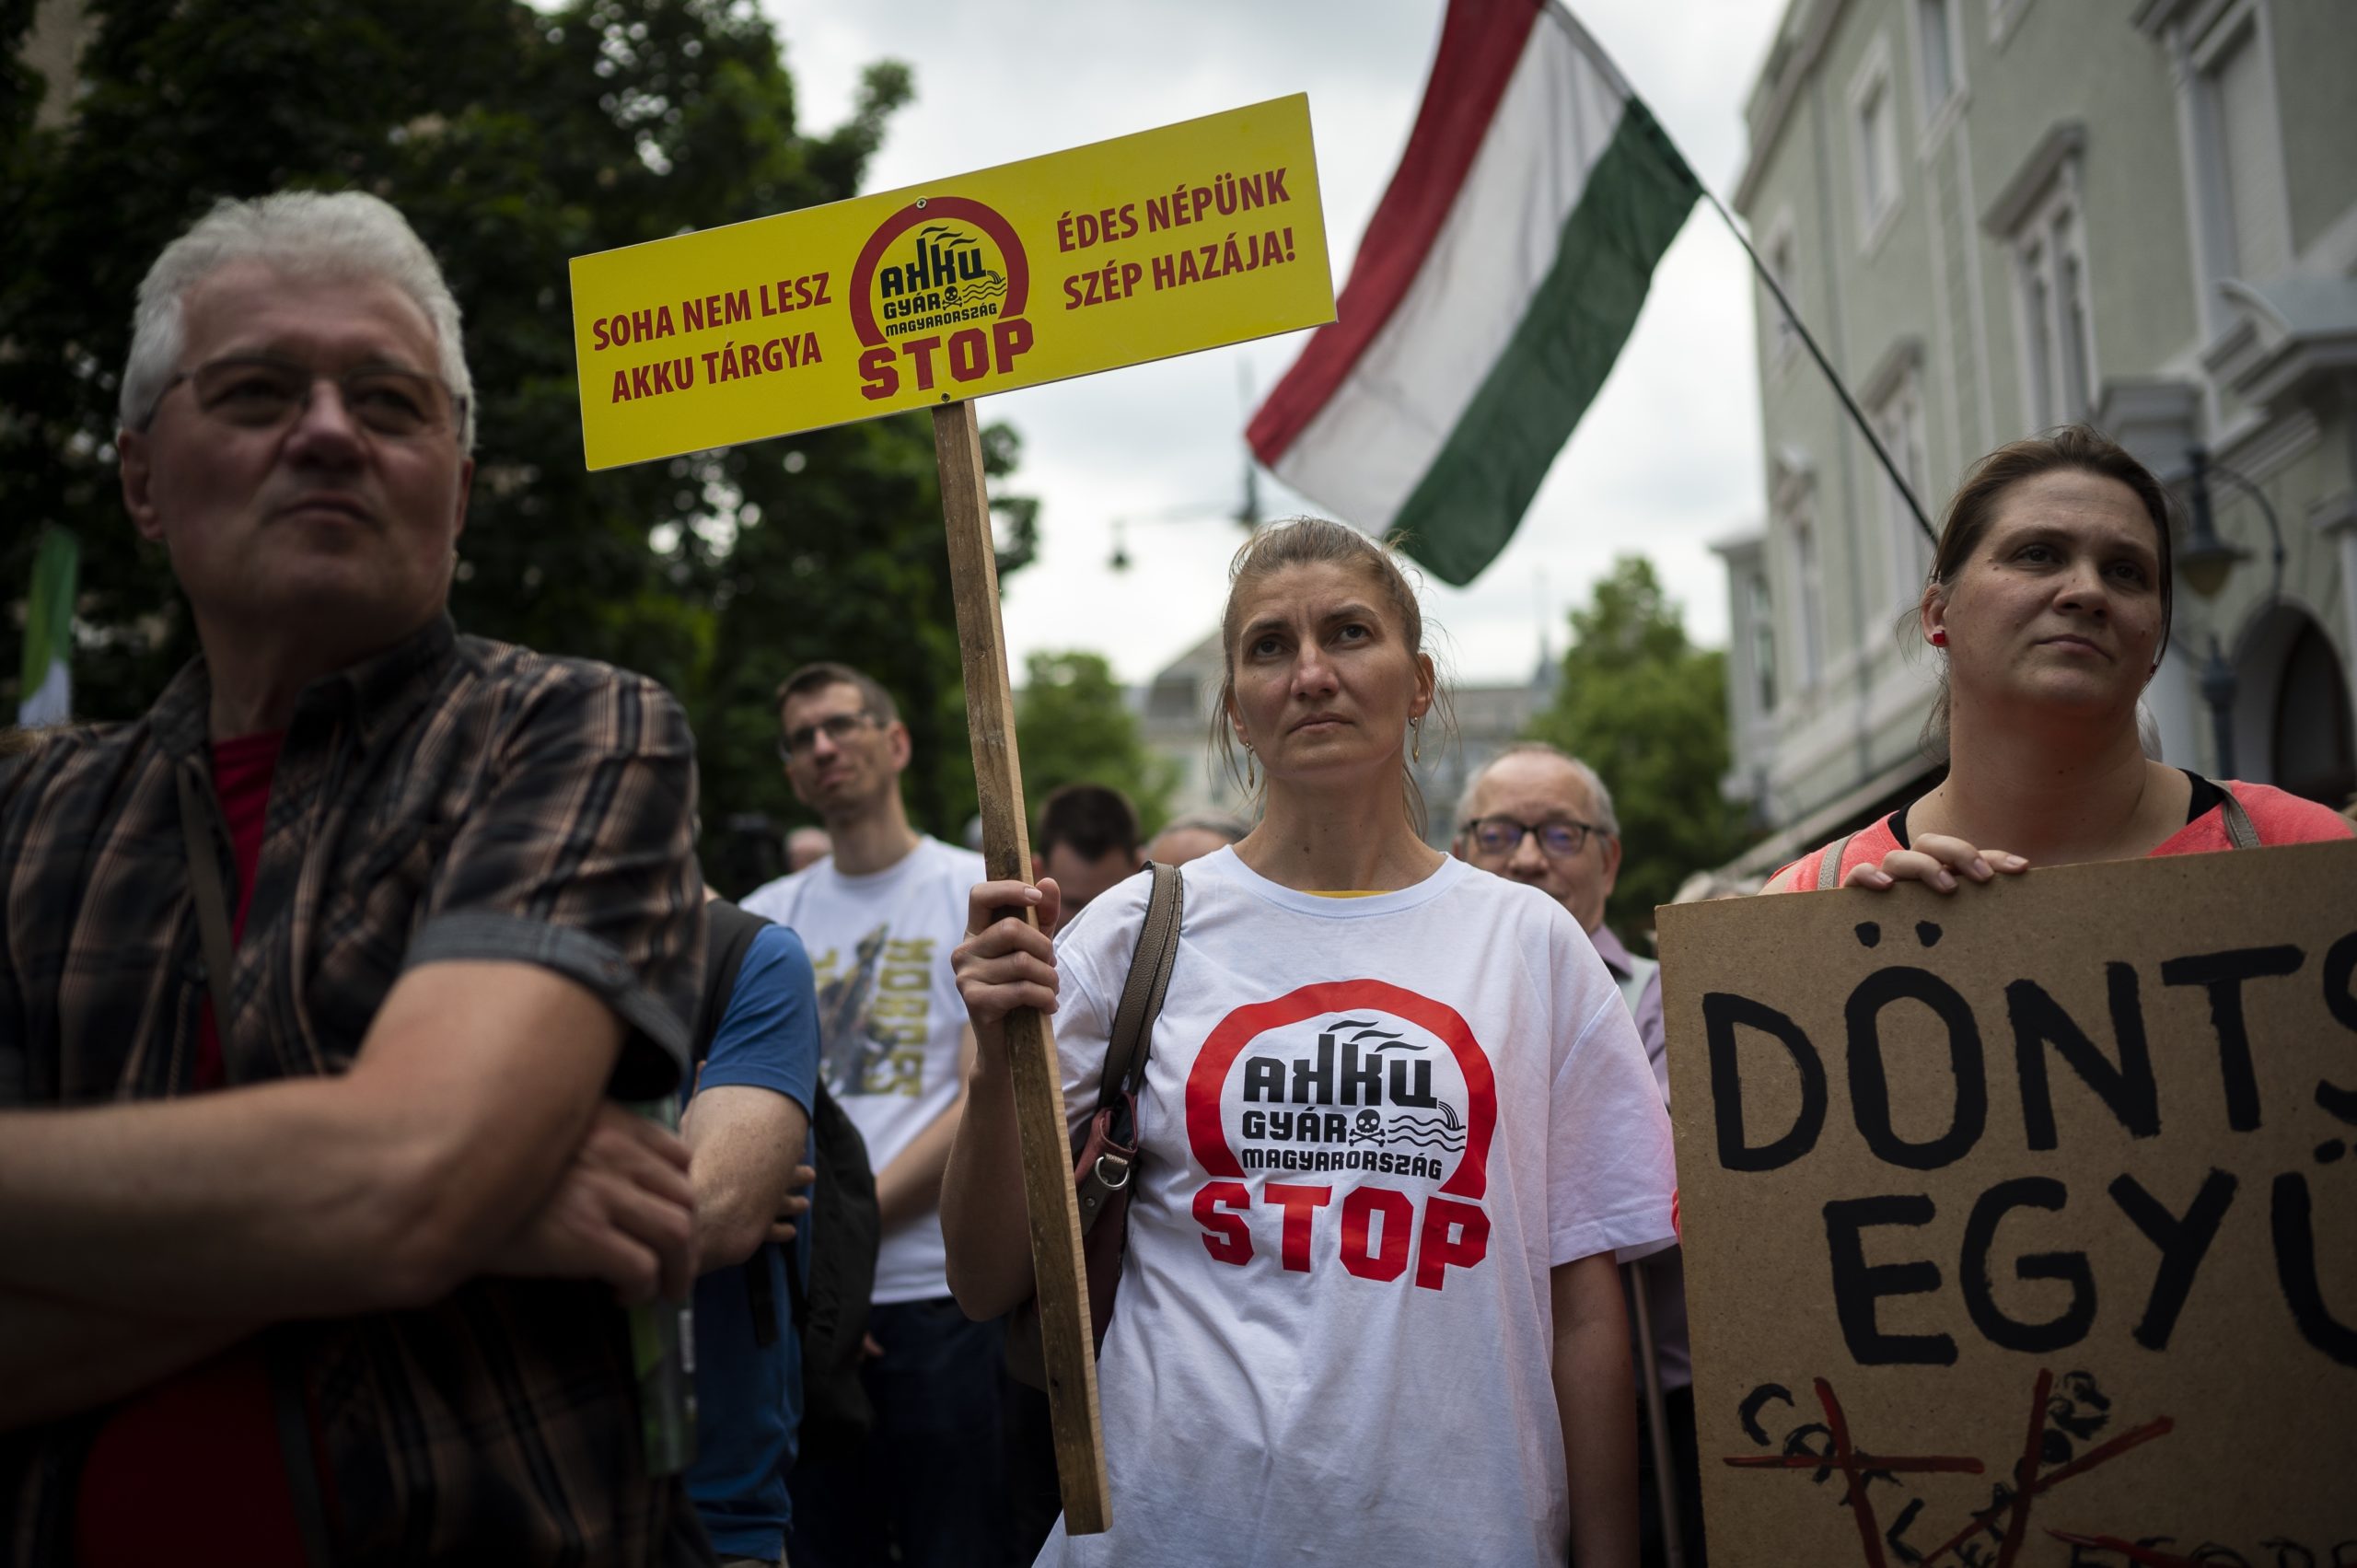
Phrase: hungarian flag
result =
(1497, 281)
(46, 694)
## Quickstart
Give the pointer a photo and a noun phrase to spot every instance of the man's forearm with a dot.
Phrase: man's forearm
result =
(248, 1200)
(910, 1183)
(61, 1358)
(379, 1189)
(743, 1144)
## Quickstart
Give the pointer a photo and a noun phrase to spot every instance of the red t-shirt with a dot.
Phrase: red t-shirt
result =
(190, 1471)
(2281, 819)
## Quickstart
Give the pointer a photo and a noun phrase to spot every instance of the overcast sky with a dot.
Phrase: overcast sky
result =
(1667, 460)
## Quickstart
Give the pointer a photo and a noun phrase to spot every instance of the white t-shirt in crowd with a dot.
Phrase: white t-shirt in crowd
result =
(1371, 1126)
(889, 1017)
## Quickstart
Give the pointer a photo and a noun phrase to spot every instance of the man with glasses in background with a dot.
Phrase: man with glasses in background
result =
(879, 917)
(1540, 816)
(319, 982)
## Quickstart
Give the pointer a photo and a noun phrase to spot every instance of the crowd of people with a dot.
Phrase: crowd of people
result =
(336, 990)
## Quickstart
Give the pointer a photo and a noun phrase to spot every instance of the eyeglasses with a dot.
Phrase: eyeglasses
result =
(837, 727)
(259, 392)
(1502, 835)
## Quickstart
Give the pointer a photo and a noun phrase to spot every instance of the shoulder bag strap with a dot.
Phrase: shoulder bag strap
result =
(1140, 1004)
(212, 904)
(2240, 834)
(1829, 868)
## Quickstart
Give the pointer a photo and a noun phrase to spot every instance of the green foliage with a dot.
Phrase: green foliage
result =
(1648, 711)
(513, 138)
(1071, 727)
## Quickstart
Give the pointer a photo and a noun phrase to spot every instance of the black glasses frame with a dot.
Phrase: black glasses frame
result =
(344, 384)
(838, 727)
(1577, 831)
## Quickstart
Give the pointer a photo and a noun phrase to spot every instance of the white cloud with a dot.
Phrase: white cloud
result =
(1668, 458)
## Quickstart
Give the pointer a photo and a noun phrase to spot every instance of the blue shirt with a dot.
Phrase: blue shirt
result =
(749, 1396)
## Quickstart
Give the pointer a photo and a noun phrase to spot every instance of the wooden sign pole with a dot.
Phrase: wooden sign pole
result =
(1059, 1275)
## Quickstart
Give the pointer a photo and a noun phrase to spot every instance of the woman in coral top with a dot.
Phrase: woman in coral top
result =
(2048, 603)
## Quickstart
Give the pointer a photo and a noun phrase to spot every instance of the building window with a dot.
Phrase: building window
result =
(1874, 132)
(1808, 606)
(1763, 642)
(1899, 424)
(2057, 329)
(1935, 38)
(2242, 155)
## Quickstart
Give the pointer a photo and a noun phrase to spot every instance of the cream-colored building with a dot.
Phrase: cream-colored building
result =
(1998, 216)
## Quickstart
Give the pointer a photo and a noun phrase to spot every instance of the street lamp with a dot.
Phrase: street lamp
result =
(2204, 562)
(2206, 558)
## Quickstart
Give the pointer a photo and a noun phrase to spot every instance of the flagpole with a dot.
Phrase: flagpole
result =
(1866, 426)
(1555, 12)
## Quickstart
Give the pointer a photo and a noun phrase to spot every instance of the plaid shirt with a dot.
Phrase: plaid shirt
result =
(452, 799)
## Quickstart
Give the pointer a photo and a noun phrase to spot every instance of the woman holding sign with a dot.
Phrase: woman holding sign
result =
(2049, 601)
(1394, 1124)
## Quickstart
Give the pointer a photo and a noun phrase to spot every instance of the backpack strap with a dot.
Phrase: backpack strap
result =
(1140, 1004)
(2240, 833)
(1829, 865)
(728, 935)
(1125, 1050)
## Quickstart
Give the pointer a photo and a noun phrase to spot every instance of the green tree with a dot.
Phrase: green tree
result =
(513, 137)
(1647, 708)
(1071, 726)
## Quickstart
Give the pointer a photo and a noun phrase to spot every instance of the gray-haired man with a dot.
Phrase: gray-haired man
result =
(316, 978)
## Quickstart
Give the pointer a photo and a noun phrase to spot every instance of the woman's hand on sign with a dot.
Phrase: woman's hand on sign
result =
(1939, 862)
(794, 1205)
(1006, 961)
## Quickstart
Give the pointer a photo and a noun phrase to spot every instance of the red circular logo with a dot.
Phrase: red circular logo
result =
(937, 257)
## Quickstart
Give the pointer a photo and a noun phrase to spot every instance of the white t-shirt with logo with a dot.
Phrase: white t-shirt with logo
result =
(889, 1017)
(1371, 1126)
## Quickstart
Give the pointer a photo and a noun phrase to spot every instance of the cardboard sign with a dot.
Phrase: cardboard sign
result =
(2021, 1224)
(1187, 238)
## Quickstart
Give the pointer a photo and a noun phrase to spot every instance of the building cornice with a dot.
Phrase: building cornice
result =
(1792, 61)
(2062, 143)
(1905, 353)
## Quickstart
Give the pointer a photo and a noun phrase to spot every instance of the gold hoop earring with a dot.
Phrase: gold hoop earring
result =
(1416, 741)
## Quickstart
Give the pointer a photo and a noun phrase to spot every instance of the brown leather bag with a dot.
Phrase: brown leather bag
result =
(1105, 1156)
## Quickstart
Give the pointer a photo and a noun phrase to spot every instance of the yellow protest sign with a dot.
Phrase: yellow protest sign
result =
(1187, 238)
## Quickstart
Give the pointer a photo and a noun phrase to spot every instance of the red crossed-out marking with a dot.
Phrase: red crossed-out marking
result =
(2029, 1484)
(1854, 1465)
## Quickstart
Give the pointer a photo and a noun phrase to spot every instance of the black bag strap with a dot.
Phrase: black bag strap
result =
(728, 935)
(212, 903)
(1125, 1050)
(1140, 1004)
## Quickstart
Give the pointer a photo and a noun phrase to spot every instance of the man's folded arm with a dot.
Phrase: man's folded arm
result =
(378, 1189)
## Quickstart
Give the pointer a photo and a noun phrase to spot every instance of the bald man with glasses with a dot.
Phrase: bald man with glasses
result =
(1537, 815)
